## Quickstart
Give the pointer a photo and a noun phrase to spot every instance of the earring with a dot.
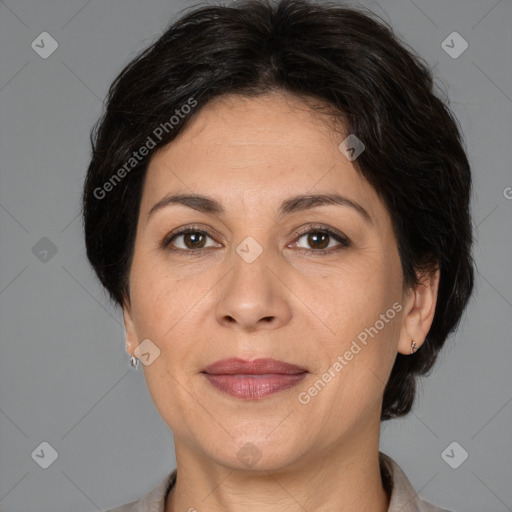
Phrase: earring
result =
(134, 362)
(413, 347)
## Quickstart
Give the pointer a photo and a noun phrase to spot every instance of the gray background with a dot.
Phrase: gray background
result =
(64, 375)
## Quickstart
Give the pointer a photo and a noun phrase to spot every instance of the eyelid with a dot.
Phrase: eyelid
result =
(343, 241)
(320, 227)
(183, 231)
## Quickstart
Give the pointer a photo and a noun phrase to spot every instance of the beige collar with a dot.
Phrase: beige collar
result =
(403, 497)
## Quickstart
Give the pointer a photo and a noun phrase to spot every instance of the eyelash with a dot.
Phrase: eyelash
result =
(311, 229)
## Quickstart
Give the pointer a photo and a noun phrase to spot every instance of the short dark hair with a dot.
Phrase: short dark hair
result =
(365, 75)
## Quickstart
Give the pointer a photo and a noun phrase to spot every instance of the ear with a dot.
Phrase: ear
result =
(129, 326)
(419, 309)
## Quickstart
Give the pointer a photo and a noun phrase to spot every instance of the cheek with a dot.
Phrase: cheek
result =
(170, 311)
(364, 319)
(160, 307)
(158, 297)
(356, 298)
(359, 360)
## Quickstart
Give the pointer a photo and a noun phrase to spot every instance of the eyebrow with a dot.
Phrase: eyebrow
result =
(291, 205)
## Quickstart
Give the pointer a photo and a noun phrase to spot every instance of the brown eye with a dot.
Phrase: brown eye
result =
(318, 240)
(192, 239)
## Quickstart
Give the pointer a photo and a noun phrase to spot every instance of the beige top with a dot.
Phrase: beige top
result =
(403, 496)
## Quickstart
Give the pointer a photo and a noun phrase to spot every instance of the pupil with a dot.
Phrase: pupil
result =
(194, 237)
(317, 236)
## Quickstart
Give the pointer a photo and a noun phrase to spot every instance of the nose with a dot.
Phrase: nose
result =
(253, 296)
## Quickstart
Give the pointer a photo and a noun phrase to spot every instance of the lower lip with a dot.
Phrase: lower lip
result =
(254, 386)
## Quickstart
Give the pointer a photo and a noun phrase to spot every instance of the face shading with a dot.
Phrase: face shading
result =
(265, 271)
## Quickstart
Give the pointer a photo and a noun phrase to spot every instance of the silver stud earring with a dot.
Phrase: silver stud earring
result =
(134, 362)
(413, 347)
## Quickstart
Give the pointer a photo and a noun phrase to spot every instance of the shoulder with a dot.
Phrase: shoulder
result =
(129, 507)
(154, 500)
(403, 497)
(424, 506)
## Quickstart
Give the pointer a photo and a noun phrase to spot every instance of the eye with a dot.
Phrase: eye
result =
(194, 240)
(318, 238)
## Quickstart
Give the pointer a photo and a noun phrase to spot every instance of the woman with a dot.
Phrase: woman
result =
(280, 204)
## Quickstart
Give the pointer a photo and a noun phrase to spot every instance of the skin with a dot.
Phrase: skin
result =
(290, 305)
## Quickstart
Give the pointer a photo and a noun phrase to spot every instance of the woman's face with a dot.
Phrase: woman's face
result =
(259, 286)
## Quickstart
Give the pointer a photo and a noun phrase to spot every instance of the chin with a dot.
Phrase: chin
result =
(259, 452)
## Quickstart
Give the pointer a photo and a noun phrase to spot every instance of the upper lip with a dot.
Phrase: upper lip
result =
(255, 367)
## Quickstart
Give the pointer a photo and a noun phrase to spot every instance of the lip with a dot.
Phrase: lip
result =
(253, 379)
(255, 367)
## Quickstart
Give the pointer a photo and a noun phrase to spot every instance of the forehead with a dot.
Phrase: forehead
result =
(260, 149)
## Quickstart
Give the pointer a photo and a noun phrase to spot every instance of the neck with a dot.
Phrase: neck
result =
(340, 479)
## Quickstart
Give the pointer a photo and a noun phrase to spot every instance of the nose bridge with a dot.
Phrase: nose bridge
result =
(252, 253)
(252, 292)
(251, 262)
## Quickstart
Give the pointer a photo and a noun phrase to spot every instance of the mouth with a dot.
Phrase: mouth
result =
(253, 379)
